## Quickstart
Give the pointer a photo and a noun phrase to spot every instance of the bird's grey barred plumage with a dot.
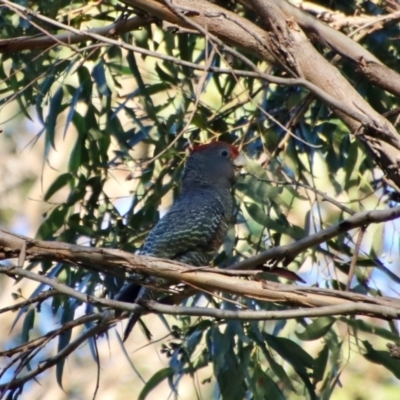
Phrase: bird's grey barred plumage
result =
(197, 223)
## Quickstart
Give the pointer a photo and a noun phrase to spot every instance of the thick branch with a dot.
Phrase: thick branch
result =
(314, 301)
(293, 49)
(290, 47)
(372, 68)
(244, 315)
(91, 34)
(315, 68)
(114, 262)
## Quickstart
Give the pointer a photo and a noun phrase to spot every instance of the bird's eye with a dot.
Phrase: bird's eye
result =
(224, 153)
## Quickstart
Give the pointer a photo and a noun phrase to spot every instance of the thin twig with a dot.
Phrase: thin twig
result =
(36, 299)
(352, 269)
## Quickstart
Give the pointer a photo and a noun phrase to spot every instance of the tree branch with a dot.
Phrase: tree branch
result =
(93, 35)
(115, 262)
(381, 139)
(37, 299)
(370, 66)
(250, 315)
(373, 130)
(288, 252)
(67, 350)
(314, 302)
(68, 37)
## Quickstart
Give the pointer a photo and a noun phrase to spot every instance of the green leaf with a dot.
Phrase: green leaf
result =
(28, 324)
(318, 328)
(276, 368)
(383, 358)
(155, 380)
(260, 216)
(72, 108)
(99, 76)
(295, 356)
(155, 89)
(320, 364)
(257, 171)
(264, 387)
(290, 351)
(360, 325)
(12, 80)
(78, 192)
(353, 164)
(51, 120)
(226, 366)
(85, 83)
(194, 336)
(75, 159)
(149, 106)
(64, 339)
(259, 191)
(164, 76)
(53, 222)
(43, 91)
(59, 183)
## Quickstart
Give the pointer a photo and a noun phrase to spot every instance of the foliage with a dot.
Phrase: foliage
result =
(136, 113)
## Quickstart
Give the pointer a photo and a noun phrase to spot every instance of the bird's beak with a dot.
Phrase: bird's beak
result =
(240, 161)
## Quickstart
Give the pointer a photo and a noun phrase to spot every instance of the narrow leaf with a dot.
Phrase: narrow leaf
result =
(154, 381)
(318, 328)
(72, 107)
(51, 120)
(383, 358)
(60, 182)
(28, 325)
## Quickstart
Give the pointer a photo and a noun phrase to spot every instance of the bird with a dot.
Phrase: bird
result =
(196, 225)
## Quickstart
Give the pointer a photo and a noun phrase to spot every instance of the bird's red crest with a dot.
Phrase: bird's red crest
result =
(234, 149)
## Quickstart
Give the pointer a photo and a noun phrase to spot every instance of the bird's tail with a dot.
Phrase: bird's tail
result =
(142, 294)
(129, 293)
(133, 293)
(131, 324)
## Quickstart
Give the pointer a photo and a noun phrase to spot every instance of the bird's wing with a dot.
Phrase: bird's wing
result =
(192, 224)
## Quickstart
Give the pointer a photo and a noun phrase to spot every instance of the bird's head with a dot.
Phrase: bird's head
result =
(213, 164)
